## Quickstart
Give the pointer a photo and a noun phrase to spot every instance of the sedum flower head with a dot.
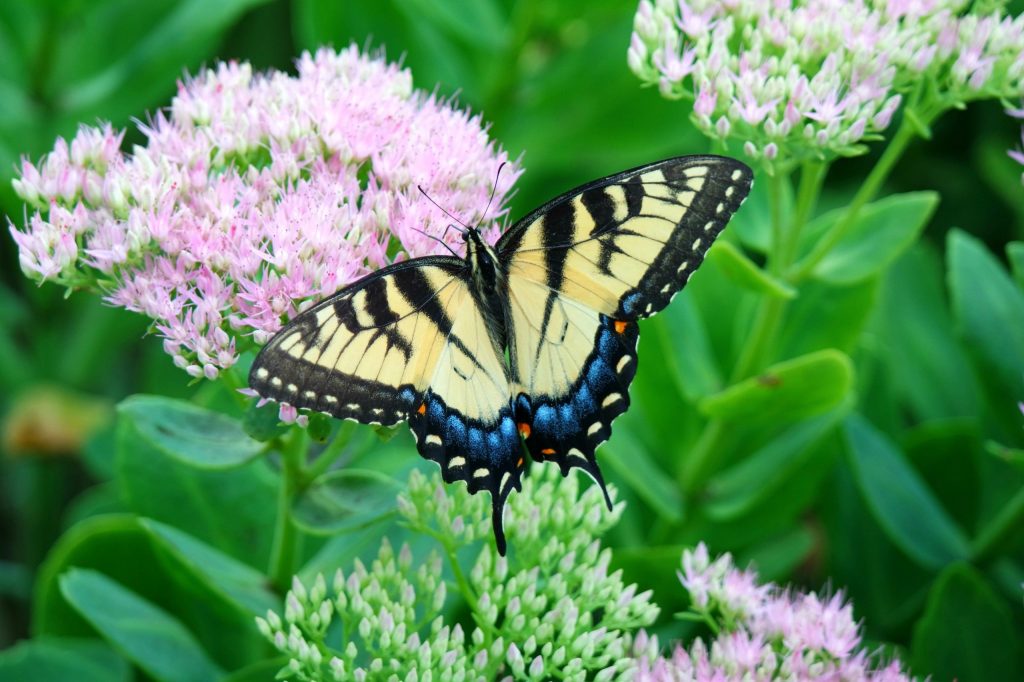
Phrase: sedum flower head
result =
(760, 632)
(814, 78)
(551, 609)
(255, 195)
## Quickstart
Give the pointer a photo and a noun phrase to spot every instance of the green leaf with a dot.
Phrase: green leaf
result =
(345, 500)
(1015, 254)
(122, 550)
(899, 500)
(262, 423)
(827, 316)
(746, 273)
(151, 638)
(790, 390)
(53, 659)
(98, 500)
(733, 492)
(888, 588)
(239, 585)
(114, 544)
(776, 558)
(1014, 456)
(15, 581)
(946, 454)
(882, 231)
(260, 671)
(479, 23)
(966, 633)
(635, 467)
(429, 50)
(146, 70)
(188, 433)
(197, 501)
(915, 342)
(988, 306)
(688, 355)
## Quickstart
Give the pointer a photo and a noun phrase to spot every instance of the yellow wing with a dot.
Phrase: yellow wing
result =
(408, 342)
(582, 269)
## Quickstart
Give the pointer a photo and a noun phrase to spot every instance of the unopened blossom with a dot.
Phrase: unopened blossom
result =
(814, 78)
(552, 609)
(762, 632)
(257, 194)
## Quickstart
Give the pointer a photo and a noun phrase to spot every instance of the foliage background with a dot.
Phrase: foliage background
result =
(934, 383)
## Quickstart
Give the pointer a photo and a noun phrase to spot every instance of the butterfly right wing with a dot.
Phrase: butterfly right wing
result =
(582, 270)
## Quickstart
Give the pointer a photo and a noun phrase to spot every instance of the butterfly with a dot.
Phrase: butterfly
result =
(523, 349)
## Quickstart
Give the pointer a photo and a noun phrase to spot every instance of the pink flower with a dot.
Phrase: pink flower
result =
(839, 68)
(255, 196)
(762, 632)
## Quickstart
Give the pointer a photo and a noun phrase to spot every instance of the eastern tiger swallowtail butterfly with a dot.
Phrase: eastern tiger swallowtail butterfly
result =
(526, 348)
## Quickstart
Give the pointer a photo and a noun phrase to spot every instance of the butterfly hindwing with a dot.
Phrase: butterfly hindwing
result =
(582, 270)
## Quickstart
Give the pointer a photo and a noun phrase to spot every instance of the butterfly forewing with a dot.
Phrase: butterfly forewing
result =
(582, 269)
(368, 352)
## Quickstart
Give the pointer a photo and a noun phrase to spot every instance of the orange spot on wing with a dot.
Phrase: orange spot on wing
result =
(524, 429)
(620, 326)
(520, 462)
(422, 409)
(547, 451)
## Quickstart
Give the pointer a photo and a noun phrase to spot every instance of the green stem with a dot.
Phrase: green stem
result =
(908, 129)
(233, 382)
(284, 552)
(703, 458)
(462, 582)
(777, 184)
(770, 309)
(335, 449)
(812, 176)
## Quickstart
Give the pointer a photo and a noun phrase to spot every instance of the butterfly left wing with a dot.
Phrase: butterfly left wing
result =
(407, 342)
(581, 270)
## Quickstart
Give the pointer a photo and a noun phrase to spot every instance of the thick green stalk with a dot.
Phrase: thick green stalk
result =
(284, 551)
(335, 449)
(702, 459)
(909, 127)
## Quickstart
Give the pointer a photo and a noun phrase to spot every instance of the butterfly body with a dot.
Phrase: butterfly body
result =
(523, 349)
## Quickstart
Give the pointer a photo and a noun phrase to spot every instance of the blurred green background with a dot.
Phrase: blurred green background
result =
(551, 78)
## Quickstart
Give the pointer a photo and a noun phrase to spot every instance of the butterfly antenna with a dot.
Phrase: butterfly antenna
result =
(494, 188)
(439, 240)
(465, 227)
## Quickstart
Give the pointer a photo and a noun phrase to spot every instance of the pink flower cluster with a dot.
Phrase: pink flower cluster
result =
(761, 633)
(813, 78)
(257, 194)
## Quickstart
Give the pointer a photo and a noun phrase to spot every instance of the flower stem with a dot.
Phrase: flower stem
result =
(909, 126)
(284, 551)
(335, 449)
(703, 458)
